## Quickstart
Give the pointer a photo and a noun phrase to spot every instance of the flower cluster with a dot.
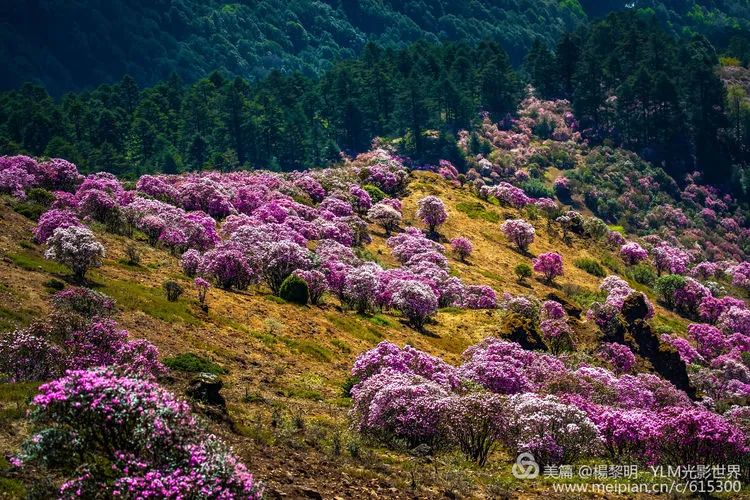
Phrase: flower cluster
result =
(432, 212)
(153, 442)
(75, 247)
(632, 253)
(519, 232)
(549, 265)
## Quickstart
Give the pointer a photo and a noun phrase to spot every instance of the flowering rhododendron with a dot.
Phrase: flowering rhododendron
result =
(431, 211)
(279, 260)
(407, 360)
(51, 220)
(316, 284)
(360, 286)
(25, 356)
(519, 232)
(226, 266)
(190, 262)
(385, 216)
(462, 247)
(153, 442)
(75, 247)
(416, 301)
(202, 287)
(549, 265)
(552, 431)
(670, 259)
(740, 275)
(619, 356)
(632, 253)
(478, 297)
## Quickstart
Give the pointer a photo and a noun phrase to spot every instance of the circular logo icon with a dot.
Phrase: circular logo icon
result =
(525, 467)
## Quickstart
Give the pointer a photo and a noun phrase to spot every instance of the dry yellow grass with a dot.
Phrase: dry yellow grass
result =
(286, 361)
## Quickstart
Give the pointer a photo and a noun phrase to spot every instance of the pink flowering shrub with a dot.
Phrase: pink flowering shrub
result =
(227, 267)
(519, 232)
(112, 435)
(632, 253)
(549, 265)
(316, 284)
(190, 262)
(83, 302)
(619, 356)
(397, 406)
(407, 360)
(202, 287)
(431, 211)
(670, 259)
(416, 301)
(279, 260)
(385, 216)
(554, 326)
(475, 422)
(25, 356)
(462, 247)
(360, 286)
(75, 247)
(506, 368)
(51, 220)
(552, 431)
(740, 275)
(478, 297)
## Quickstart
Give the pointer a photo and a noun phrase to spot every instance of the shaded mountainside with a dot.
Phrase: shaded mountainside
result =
(76, 45)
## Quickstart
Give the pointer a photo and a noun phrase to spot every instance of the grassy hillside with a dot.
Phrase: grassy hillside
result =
(286, 364)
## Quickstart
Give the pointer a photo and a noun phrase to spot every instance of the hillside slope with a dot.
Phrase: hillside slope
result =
(288, 363)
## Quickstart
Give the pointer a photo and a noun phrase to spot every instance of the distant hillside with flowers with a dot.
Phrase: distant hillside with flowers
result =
(380, 327)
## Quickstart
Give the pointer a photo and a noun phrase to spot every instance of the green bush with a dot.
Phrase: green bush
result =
(666, 286)
(591, 266)
(523, 271)
(375, 193)
(192, 363)
(40, 197)
(294, 290)
(643, 274)
(537, 189)
(54, 284)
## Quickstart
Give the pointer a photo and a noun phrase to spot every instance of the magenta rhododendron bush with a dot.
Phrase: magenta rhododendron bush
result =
(539, 405)
(111, 435)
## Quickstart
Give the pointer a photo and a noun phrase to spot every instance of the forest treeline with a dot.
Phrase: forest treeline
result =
(629, 81)
(73, 45)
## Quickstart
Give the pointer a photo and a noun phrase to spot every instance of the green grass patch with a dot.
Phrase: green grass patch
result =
(664, 324)
(274, 298)
(31, 262)
(192, 363)
(356, 328)
(492, 276)
(15, 399)
(381, 320)
(583, 297)
(591, 266)
(477, 210)
(309, 348)
(11, 319)
(12, 488)
(151, 301)
(341, 346)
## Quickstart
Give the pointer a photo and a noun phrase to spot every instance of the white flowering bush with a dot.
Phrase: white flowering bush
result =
(75, 247)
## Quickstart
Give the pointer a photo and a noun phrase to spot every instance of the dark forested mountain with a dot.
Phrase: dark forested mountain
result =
(75, 44)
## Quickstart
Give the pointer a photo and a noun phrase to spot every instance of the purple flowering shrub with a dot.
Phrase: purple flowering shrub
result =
(618, 356)
(554, 326)
(226, 266)
(431, 211)
(519, 232)
(462, 247)
(191, 262)
(107, 434)
(83, 302)
(385, 216)
(632, 253)
(51, 220)
(478, 297)
(552, 431)
(549, 265)
(416, 301)
(75, 247)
